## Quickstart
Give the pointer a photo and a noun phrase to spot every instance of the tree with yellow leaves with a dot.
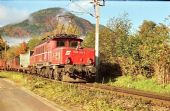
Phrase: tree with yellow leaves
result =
(14, 51)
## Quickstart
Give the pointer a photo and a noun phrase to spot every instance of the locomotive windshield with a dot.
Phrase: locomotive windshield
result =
(60, 43)
(73, 43)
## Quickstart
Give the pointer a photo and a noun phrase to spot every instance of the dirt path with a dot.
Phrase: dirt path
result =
(12, 98)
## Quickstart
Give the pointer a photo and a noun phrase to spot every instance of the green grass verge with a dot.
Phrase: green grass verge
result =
(76, 98)
(18, 78)
(141, 83)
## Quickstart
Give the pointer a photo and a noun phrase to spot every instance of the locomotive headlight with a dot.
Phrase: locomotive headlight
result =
(90, 62)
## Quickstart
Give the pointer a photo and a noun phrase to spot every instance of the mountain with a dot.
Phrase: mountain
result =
(46, 20)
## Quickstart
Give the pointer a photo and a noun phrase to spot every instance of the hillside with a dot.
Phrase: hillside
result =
(46, 20)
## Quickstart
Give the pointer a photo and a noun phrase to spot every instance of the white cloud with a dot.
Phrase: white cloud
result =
(80, 6)
(10, 15)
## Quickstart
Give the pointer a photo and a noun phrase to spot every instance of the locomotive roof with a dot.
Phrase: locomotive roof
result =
(64, 36)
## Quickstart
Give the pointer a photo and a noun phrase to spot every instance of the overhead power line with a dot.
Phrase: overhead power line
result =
(84, 11)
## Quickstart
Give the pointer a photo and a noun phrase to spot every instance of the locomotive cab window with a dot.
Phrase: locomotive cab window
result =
(60, 43)
(73, 43)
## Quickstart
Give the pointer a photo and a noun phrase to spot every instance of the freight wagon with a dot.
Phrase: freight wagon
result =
(2, 64)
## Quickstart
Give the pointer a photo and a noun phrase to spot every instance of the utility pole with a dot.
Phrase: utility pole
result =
(97, 17)
(97, 4)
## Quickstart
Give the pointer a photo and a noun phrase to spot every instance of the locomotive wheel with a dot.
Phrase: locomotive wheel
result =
(47, 70)
(46, 73)
(50, 74)
(33, 71)
(57, 75)
(43, 72)
(60, 77)
(38, 72)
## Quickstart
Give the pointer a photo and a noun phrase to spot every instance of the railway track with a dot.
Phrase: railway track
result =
(148, 97)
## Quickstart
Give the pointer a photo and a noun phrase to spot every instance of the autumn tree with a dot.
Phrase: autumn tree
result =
(89, 40)
(3, 45)
(11, 52)
(113, 38)
(22, 48)
(154, 49)
(14, 51)
(33, 42)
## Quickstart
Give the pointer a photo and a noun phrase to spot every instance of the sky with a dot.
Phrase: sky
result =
(13, 11)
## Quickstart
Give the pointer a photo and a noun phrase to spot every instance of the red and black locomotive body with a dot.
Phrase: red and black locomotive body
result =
(62, 57)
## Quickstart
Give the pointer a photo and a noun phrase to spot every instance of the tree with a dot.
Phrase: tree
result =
(113, 38)
(33, 42)
(14, 51)
(154, 49)
(121, 29)
(89, 40)
(3, 45)
(22, 48)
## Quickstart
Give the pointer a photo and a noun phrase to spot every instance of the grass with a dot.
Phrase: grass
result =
(76, 98)
(21, 79)
(141, 83)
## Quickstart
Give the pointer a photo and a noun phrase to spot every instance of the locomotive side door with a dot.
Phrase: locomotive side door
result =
(59, 44)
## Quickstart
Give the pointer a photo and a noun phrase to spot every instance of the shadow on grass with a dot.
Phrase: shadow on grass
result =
(108, 72)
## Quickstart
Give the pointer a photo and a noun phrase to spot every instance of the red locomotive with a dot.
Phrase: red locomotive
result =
(61, 57)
